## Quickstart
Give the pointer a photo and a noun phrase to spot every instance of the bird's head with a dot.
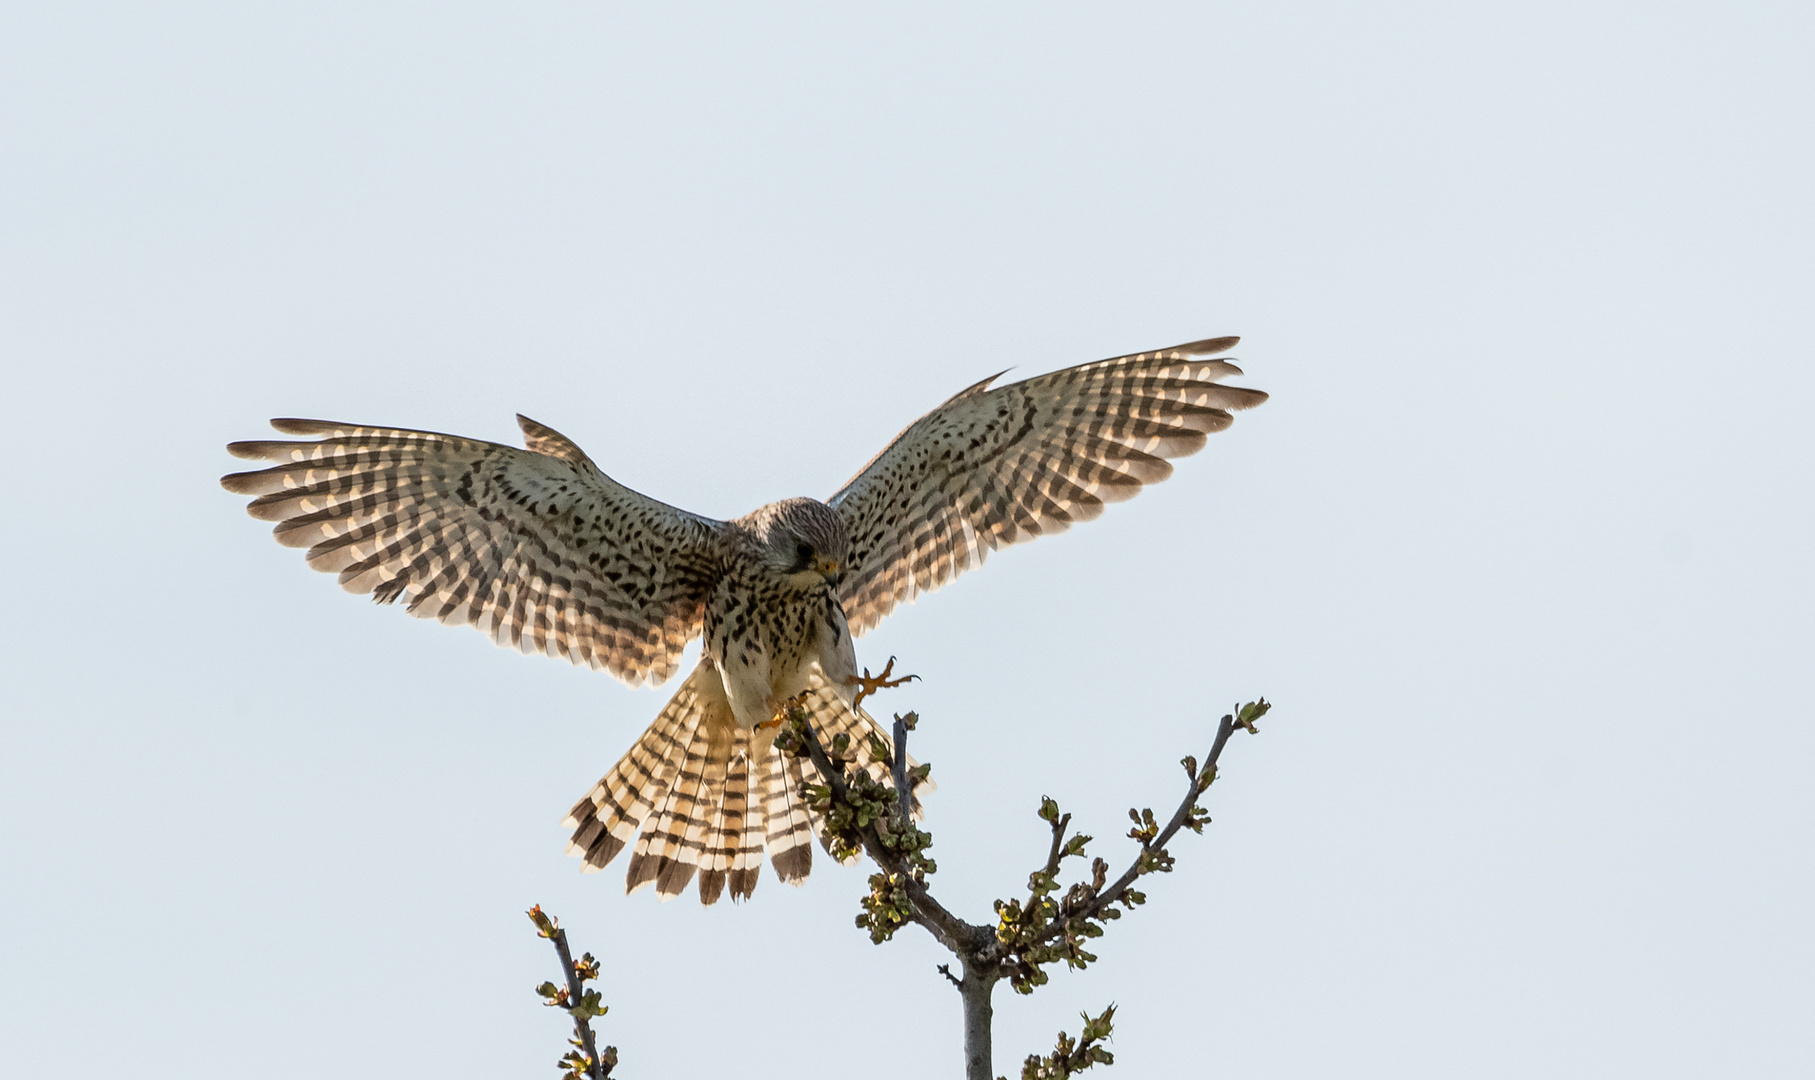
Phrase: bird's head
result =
(804, 540)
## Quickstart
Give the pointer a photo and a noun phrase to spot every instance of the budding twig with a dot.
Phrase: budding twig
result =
(1072, 1056)
(1187, 814)
(1028, 935)
(951, 931)
(580, 1003)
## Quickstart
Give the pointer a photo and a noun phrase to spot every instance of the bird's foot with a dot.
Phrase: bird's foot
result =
(782, 711)
(868, 684)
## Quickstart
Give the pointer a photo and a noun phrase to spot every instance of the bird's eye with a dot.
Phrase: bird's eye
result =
(803, 553)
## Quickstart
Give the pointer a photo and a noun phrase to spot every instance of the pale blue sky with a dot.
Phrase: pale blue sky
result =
(1520, 547)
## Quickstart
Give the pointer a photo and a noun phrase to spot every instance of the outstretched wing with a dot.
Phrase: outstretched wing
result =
(991, 468)
(536, 548)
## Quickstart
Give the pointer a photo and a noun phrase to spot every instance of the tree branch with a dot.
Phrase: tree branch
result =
(579, 1003)
(1199, 782)
(1072, 1056)
(954, 933)
(863, 814)
(904, 795)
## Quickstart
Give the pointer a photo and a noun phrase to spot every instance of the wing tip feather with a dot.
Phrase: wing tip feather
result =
(262, 449)
(294, 425)
(1206, 347)
(243, 483)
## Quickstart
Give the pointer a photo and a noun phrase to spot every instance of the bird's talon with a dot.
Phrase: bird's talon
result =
(782, 711)
(868, 684)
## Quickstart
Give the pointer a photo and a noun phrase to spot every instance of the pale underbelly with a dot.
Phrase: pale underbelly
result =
(755, 690)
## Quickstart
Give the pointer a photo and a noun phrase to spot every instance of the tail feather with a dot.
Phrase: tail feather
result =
(701, 796)
(607, 818)
(730, 857)
(786, 822)
(669, 848)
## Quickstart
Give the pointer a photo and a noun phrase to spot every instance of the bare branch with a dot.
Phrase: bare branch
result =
(904, 795)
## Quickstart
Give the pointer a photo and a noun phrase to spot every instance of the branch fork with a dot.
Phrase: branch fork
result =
(863, 814)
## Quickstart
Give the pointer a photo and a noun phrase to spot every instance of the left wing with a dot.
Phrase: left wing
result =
(991, 468)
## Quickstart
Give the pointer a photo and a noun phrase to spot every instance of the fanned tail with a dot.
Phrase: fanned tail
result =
(702, 797)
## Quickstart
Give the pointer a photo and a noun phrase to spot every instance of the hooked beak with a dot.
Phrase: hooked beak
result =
(830, 570)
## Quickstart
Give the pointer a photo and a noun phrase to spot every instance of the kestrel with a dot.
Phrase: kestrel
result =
(542, 551)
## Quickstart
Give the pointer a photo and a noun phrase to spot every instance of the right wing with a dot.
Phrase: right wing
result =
(535, 548)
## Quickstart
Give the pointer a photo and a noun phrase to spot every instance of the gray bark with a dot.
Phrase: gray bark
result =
(979, 1063)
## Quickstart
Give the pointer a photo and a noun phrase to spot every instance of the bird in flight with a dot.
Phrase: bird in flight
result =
(542, 551)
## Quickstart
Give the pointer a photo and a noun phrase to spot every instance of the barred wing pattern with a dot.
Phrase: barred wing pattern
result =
(536, 548)
(699, 795)
(990, 468)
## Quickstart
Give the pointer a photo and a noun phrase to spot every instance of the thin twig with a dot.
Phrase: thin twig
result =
(1058, 843)
(575, 1001)
(1096, 904)
(576, 993)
